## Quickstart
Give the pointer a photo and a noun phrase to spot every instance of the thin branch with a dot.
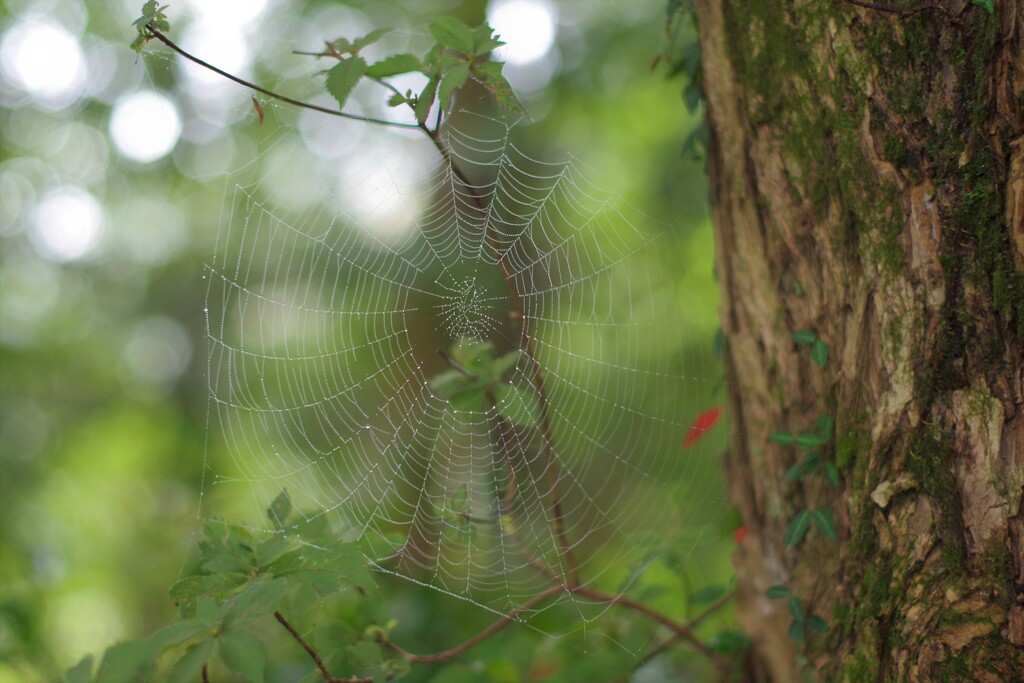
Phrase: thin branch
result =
(206, 674)
(270, 93)
(498, 625)
(305, 646)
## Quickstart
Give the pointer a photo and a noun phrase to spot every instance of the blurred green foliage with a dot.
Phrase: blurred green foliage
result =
(103, 233)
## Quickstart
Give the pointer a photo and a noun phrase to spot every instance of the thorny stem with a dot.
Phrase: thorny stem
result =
(572, 586)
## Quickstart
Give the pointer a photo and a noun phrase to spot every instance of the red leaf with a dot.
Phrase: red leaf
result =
(739, 534)
(701, 424)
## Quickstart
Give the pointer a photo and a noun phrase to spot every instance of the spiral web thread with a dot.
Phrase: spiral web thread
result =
(323, 337)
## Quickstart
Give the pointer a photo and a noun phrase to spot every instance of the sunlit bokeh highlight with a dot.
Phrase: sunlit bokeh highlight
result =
(145, 126)
(44, 59)
(67, 224)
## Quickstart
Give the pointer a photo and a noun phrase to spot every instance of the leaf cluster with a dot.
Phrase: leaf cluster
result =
(460, 53)
(152, 16)
(243, 578)
(803, 620)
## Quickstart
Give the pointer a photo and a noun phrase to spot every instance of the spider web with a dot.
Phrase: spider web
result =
(325, 320)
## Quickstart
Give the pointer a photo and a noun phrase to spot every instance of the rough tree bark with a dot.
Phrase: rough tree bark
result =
(867, 172)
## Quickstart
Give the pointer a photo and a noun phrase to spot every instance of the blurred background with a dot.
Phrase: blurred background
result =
(108, 215)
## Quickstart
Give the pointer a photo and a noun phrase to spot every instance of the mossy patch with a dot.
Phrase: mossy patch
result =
(931, 461)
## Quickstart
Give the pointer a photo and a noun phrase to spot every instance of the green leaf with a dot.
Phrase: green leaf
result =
(260, 597)
(328, 566)
(782, 437)
(797, 528)
(81, 672)
(707, 595)
(207, 611)
(243, 653)
(128, 662)
(425, 100)
(448, 383)
(484, 40)
(805, 337)
(816, 623)
(518, 406)
(364, 655)
(825, 425)
(796, 608)
(186, 669)
(185, 591)
(453, 79)
(490, 76)
(397, 100)
(272, 548)
(987, 5)
(796, 630)
(819, 353)
(342, 78)
(469, 401)
(778, 591)
(832, 474)
(824, 523)
(453, 33)
(394, 65)
(279, 510)
(794, 473)
(370, 38)
(809, 440)
(504, 364)
(174, 634)
(729, 642)
(459, 498)
(810, 463)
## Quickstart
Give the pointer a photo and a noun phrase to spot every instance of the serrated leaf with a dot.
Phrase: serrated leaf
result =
(175, 634)
(452, 32)
(272, 548)
(185, 591)
(327, 567)
(260, 597)
(243, 653)
(425, 100)
(797, 528)
(782, 437)
(490, 76)
(810, 440)
(484, 40)
(824, 523)
(207, 611)
(987, 5)
(280, 509)
(778, 591)
(805, 337)
(81, 672)
(453, 79)
(128, 662)
(370, 38)
(707, 595)
(394, 65)
(518, 406)
(832, 474)
(816, 623)
(186, 669)
(819, 353)
(342, 78)
(796, 630)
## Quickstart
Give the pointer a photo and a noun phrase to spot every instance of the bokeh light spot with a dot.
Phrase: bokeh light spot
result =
(67, 224)
(526, 26)
(44, 59)
(145, 126)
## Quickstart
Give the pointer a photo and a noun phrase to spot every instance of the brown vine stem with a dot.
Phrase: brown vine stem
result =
(902, 12)
(270, 93)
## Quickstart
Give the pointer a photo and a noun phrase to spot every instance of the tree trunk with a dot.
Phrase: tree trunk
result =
(867, 173)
